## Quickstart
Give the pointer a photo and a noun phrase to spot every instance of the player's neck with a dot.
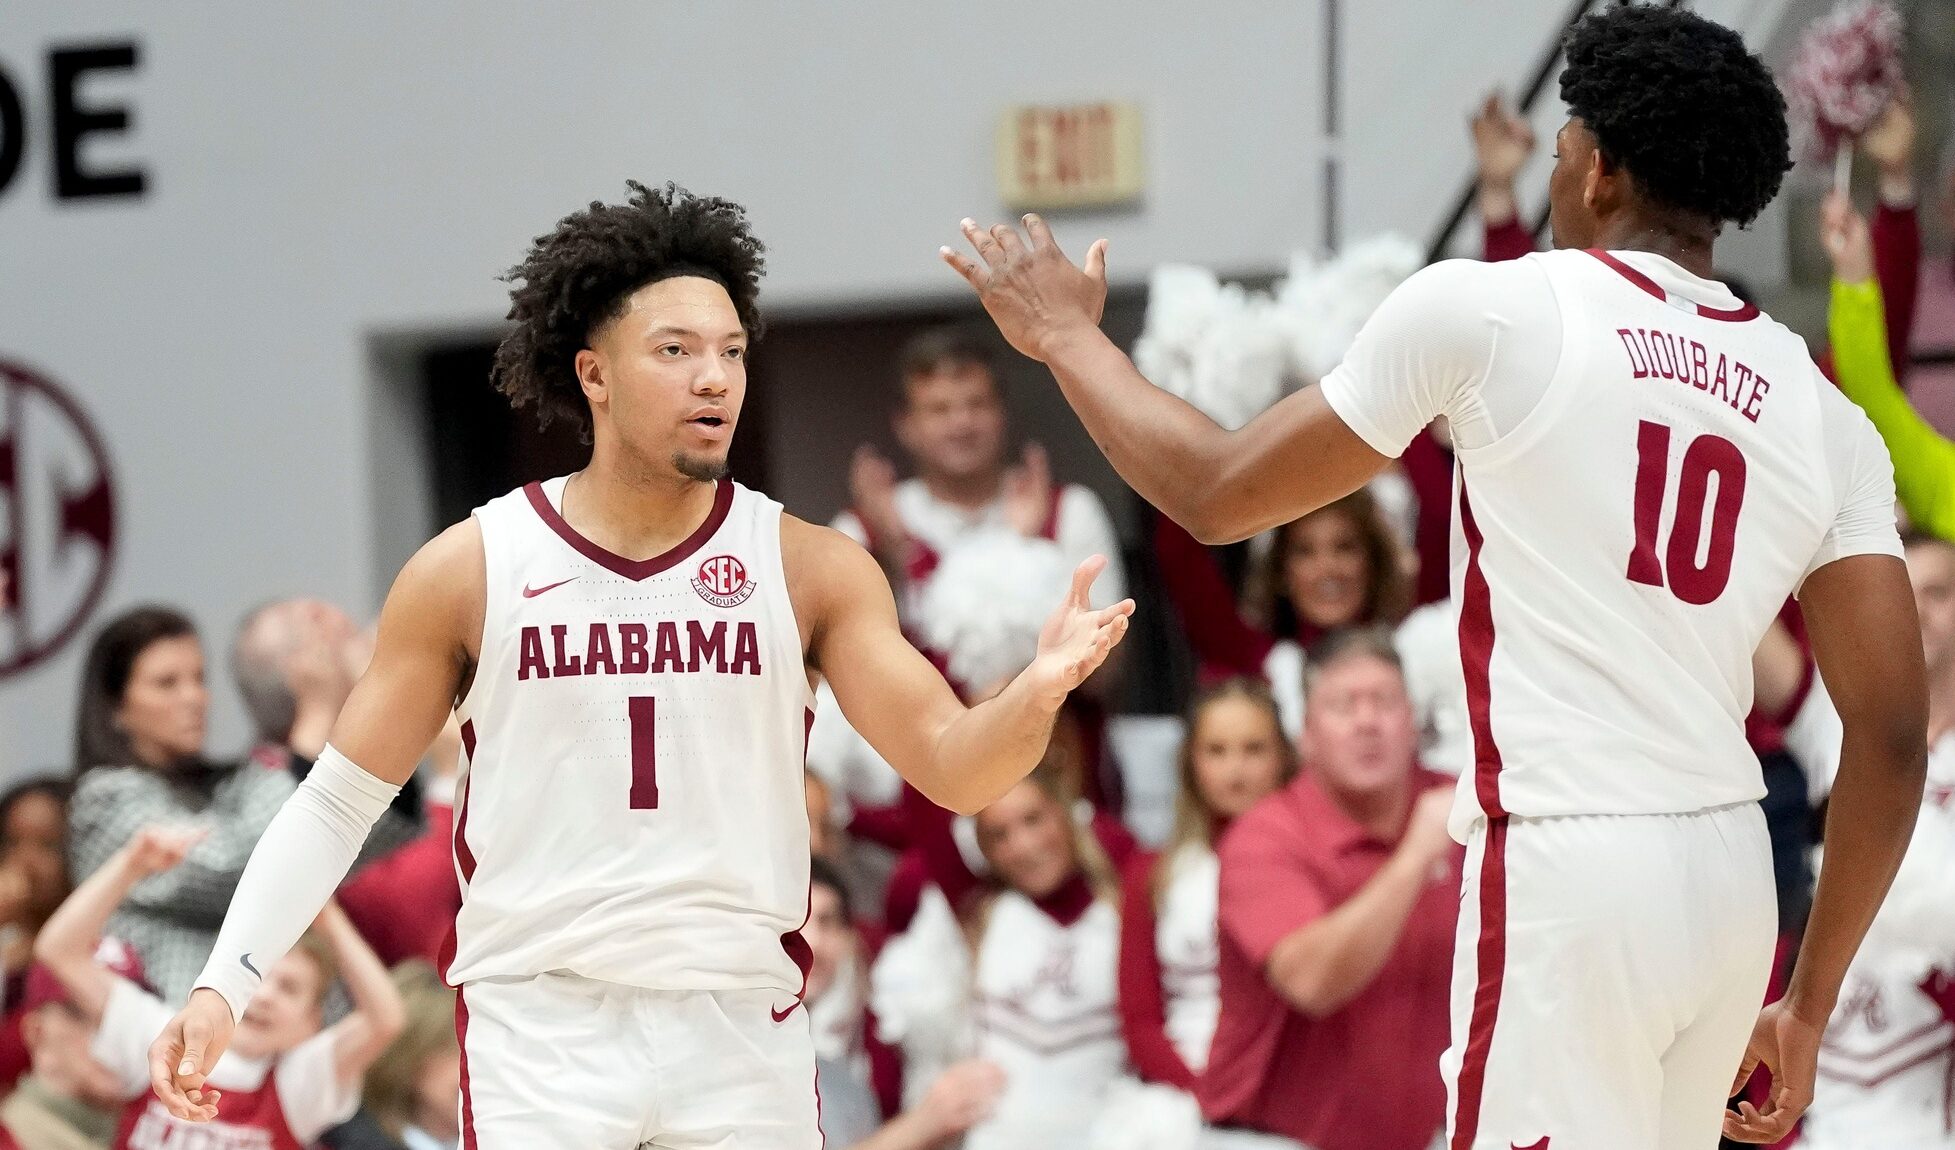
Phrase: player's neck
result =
(632, 514)
(1686, 245)
(971, 492)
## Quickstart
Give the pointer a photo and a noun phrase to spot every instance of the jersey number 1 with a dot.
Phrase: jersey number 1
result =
(1706, 456)
(644, 753)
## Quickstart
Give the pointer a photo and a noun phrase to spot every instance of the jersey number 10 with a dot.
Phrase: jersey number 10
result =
(1706, 456)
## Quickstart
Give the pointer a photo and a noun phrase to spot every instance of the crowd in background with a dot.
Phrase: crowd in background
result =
(1235, 928)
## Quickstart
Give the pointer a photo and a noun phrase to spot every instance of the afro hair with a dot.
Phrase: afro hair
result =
(1679, 103)
(578, 277)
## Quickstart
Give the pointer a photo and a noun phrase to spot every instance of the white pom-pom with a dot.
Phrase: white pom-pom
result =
(987, 600)
(920, 990)
(1218, 346)
(1323, 304)
(1141, 1116)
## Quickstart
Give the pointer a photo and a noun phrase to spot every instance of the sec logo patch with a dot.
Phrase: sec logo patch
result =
(722, 581)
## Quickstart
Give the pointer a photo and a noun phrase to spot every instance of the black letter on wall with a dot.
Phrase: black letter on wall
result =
(13, 132)
(72, 123)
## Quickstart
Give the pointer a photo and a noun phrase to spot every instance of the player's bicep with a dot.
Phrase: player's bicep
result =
(407, 692)
(893, 696)
(1866, 638)
(1286, 463)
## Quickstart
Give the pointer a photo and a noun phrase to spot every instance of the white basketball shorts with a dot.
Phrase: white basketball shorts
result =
(559, 1062)
(1607, 974)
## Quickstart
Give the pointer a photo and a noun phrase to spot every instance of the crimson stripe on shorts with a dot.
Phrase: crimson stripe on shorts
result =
(461, 1038)
(1491, 963)
(1476, 660)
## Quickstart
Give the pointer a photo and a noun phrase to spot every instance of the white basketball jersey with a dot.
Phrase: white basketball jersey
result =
(1046, 1009)
(1185, 942)
(1620, 553)
(632, 809)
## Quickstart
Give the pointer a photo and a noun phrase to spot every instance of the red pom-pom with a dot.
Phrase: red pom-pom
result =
(1846, 70)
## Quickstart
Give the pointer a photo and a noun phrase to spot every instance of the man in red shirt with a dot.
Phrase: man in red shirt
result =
(1338, 899)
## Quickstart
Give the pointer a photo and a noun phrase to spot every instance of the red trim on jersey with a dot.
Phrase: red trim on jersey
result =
(1476, 660)
(1738, 314)
(461, 1039)
(464, 856)
(1492, 968)
(634, 569)
(794, 942)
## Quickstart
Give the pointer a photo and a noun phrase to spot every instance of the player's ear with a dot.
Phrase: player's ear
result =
(590, 374)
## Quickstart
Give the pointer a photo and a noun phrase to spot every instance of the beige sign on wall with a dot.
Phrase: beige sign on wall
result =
(1069, 156)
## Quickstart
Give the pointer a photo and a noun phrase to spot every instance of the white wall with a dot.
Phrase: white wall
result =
(323, 175)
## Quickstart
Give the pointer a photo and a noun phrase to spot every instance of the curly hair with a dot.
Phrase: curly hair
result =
(578, 277)
(1677, 101)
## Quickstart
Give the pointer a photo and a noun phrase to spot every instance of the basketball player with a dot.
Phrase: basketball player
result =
(632, 650)
(1647, 467)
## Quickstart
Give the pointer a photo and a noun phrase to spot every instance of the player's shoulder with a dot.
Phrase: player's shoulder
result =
(452, 558)
(822, 562)
(445, 582)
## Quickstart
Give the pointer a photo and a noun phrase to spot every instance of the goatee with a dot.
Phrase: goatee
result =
(698, 468)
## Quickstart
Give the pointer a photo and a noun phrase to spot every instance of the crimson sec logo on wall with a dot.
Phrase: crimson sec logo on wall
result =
(57, 518)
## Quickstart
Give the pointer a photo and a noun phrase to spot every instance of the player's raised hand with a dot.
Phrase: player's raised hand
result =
(1788, 1045)
(1031, 290)
(181, 1057)
(1077, 639)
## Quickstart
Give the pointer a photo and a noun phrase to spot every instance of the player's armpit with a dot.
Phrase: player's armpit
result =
(428, 628)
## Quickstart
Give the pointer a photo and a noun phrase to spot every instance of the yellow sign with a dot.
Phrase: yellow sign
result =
(1072, 156)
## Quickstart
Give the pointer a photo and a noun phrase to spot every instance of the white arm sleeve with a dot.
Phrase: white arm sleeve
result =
(300, 861)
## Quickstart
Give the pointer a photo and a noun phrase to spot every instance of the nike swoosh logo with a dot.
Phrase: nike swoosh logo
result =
(1541, 1145)
(533, 592)
(780, 1016)
(245, 960)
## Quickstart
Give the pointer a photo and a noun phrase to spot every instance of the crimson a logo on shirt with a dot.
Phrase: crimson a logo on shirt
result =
(722, 581)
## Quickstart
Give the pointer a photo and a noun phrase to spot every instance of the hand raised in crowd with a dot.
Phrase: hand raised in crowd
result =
(1502, 144)
(1029, 288)
(1890, 145)
(1028, 492)
(155, 849)
(1426, 840)
(872, 489)
(1076, 639)
(962, 1096)
(1843, 230)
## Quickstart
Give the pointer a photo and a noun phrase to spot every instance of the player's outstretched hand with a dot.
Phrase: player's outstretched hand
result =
(1788, 1045)
(1031, 290)
(1077, 639)
(181, 1057)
